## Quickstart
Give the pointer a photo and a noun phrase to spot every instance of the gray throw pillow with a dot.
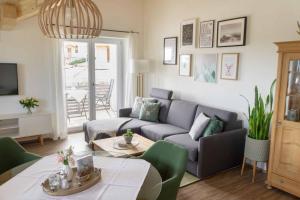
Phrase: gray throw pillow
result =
(137, 105)
(149, 111)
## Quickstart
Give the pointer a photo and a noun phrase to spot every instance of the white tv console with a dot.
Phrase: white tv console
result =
(25, 126)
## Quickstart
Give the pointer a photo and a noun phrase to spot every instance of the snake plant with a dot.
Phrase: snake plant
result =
(260, 115)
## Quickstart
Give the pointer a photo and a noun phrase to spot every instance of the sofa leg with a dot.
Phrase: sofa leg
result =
(243, 166)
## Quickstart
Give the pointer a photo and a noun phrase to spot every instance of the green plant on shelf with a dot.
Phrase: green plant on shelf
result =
(29, 103)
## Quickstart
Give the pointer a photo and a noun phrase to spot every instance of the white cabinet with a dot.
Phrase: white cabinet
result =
(20, 126)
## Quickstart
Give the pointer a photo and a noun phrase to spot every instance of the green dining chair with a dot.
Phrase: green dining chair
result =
(170, 160)
(12, 154)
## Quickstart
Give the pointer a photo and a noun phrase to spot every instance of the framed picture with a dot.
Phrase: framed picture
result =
(170, 51)
(185, 62)
(188, 34)
(206, 37)
(229, 66)
(206, 68)
(232, 32)
(85, 166)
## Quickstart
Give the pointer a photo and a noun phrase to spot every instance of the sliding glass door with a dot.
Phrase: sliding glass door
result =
(93, 80)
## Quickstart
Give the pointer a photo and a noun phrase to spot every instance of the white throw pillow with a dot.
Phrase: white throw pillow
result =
(199, 126)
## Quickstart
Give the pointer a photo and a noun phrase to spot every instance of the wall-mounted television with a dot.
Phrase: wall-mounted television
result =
(8, 79)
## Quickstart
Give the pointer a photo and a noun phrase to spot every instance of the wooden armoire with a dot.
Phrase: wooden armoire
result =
(284, 163)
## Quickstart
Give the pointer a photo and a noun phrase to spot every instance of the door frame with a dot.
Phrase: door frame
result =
(120, 43)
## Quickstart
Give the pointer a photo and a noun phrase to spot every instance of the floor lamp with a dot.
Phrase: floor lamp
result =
(139, 68)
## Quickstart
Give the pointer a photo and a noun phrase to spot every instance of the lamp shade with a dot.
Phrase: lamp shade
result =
(70, 19)
(139, 66)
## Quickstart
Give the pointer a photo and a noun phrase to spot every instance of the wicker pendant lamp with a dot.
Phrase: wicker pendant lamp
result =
(70, 19)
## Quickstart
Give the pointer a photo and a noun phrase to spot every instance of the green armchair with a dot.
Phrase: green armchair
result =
(12, 154)
(170, 160)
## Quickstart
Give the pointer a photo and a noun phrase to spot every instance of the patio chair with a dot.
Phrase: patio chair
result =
(103, 96)
(74, 108)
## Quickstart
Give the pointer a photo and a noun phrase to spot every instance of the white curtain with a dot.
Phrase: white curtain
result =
(59, 103)
(130, 82)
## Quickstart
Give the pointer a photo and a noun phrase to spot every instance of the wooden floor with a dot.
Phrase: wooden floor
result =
(227, 185)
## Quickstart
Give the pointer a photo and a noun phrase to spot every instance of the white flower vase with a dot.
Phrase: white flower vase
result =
(68, 171)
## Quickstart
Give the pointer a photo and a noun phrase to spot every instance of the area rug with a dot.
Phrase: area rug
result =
(188, 179)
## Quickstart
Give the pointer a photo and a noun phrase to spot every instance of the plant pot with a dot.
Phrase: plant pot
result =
(257, 150)
(128, 139)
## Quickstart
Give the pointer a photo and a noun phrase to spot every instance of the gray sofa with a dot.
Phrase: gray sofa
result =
(207, 156)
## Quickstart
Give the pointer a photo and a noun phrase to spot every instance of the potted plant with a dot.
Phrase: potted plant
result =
(29, 103)
(259, 118)
(128, 136)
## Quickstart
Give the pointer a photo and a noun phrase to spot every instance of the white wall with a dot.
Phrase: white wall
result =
(27, 46)
(268, 21)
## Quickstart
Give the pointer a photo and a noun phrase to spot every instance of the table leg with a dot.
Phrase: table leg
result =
(41, 140)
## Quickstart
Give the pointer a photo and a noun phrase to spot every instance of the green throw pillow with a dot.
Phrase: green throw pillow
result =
(214, 126)
(149, 111)
(138, 102)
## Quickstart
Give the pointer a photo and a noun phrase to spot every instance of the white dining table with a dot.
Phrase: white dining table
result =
(121, 179)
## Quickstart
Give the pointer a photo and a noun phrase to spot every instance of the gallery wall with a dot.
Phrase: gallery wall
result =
(269, 21)
(26, 46)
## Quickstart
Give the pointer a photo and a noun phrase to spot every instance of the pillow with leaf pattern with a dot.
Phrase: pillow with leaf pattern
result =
(137, 105)
(149, 112)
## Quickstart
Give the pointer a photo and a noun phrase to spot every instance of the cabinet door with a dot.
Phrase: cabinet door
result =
(287, 151)
(35, 125)
(287, 137)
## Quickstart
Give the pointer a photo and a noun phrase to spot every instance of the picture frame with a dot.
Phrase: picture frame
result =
(232, 32)
(85, 166)
(188, 32)
(206, 67)
(230, 66)
(206, 34)
(185, 64)
(170, 50)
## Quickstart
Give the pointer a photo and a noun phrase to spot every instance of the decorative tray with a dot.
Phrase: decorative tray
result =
(122, 145)
(75, 186)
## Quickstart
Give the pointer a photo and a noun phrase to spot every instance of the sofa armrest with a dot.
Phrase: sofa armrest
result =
(124, 112)
(220, 151)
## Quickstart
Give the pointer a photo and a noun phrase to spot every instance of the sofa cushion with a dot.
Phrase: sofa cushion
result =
(164, 109)
(226, 116)
(160, 131)
(187, 142)
(164, 98)
(182, 114)
(161, 93)
(135, 125)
